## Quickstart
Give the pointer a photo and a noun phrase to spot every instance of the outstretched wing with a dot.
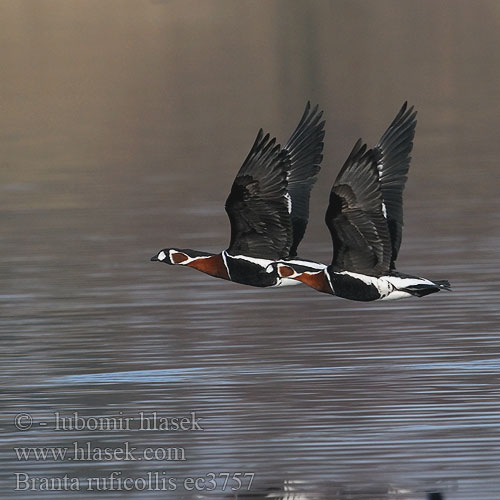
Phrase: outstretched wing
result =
(392, 155)
(360, 235)
(258, 206)
(304, 148)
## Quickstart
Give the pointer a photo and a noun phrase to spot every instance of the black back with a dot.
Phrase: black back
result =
(304, 148)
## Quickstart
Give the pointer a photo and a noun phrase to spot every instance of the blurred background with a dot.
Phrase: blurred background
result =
(122, 126)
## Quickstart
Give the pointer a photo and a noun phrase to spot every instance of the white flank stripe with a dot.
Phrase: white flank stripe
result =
(305, 263)
(369, 280)
(404, 282)
(389, 287)
(262, 262)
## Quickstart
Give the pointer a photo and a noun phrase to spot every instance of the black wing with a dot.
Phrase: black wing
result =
(305, 148)
(392, 154)
(360, 235)
(257, 205)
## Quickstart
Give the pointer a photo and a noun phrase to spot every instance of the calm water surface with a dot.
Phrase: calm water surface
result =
(123, 126)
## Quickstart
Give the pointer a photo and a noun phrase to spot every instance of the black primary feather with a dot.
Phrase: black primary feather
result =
(360, 235)
(305, 148)
(257, 205)
(392, 155)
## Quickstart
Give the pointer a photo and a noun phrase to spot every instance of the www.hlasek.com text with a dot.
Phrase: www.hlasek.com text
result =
(86, 452)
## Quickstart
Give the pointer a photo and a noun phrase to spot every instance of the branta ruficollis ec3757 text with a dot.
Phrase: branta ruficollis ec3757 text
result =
(365, 219)
(268, 208)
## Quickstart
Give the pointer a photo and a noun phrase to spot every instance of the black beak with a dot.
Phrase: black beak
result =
(154, 258)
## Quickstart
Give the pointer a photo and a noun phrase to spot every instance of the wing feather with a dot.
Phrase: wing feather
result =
(360, 235)
(305, 148)
(257, 205)
(392, 155)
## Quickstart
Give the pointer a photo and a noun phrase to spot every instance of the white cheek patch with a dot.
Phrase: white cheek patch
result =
(162, 255)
